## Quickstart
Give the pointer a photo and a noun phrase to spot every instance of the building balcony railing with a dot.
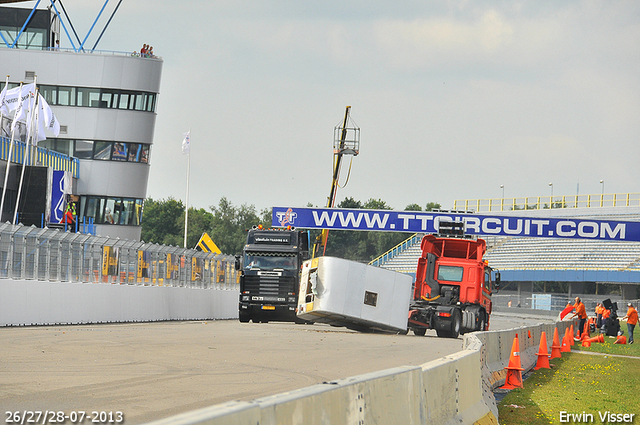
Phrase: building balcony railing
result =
(42, 157)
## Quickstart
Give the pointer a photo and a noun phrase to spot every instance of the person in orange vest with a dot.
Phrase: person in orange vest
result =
(69, 216)
(599, 310)
(632, 320)
(581, 312)
(621, 339)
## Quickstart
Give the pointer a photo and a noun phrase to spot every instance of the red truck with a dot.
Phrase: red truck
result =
(452, 291)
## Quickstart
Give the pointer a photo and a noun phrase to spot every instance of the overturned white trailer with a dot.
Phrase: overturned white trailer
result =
(355, 295)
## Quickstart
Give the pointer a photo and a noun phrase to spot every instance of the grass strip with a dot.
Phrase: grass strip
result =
(585, 386)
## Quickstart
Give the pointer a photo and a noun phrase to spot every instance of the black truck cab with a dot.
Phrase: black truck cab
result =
(270, 274)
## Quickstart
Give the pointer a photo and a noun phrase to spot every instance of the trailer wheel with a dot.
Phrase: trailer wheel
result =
(419, 331)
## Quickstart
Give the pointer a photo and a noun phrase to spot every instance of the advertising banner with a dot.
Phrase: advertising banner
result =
(110, 261)
(196, 269)
(60, 185)
(221, 271)
(476, 224)
(173, 266)
(143, 266)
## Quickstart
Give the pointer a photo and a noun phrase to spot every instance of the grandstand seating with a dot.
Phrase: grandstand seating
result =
(563, 254)
(542, 254)
(526, 253)
(406, 261)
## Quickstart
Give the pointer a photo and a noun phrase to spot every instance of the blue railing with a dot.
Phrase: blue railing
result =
(397, 250)
(43, 157)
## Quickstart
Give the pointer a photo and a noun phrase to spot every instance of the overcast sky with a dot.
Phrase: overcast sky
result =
(453, 98)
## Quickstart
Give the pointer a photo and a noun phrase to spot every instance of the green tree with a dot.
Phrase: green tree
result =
(432, 206)
(163, 221)
(230, 225)
(413, 207)
(200, 221)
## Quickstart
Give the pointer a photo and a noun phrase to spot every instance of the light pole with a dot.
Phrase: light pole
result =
(602, 193)
(551, 199)
(502, 187)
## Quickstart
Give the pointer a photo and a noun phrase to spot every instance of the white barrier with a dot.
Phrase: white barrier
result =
(29, 302)
(455, 389)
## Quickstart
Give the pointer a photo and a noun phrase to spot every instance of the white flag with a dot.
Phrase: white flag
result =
(22, 101)
(186, 143)
(47, 120)
(12, 97)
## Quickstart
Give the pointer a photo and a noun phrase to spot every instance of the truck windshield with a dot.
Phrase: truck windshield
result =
(269, 261)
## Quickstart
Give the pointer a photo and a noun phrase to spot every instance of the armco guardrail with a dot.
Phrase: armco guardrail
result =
(456, 389)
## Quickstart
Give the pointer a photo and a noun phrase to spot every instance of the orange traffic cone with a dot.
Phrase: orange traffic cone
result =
(598, 338)
(543, 353)
(555, 346)
(585, 332)
(586, 343)
(570, 334)
(514, 369)
(566, 345)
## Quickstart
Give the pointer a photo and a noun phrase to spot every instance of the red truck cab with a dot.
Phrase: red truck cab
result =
(453, 287)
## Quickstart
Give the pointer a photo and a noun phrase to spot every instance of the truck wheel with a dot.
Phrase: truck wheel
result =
(482, 321)
(419, 331)
(455, 324)
(243, 317)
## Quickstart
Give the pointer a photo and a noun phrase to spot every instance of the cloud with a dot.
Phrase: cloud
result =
(431, 42)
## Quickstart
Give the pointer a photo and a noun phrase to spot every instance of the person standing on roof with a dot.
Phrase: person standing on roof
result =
(581, 312)
(632, 321)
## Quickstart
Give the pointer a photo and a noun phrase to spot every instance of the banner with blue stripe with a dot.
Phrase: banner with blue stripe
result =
(476, 224)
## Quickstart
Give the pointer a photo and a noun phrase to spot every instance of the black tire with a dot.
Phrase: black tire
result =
(419, 331)
(456, 320)
(482, 321)
(243, 317)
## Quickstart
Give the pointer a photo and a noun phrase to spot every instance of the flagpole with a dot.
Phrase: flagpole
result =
(186, 209)
(6, 89)
(13, 131)
(30, 119)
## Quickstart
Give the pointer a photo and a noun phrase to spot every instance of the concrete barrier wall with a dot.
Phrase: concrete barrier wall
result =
(29, 302)
(456, 389)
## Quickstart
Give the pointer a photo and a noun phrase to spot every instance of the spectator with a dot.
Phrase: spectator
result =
(581, 312)
(108, 218)
(599, 311)
(632, 320)
(69, 217)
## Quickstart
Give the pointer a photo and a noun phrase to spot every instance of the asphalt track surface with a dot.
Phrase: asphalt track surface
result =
(150, 371)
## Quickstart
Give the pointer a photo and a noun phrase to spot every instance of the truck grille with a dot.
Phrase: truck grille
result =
(270, 286)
